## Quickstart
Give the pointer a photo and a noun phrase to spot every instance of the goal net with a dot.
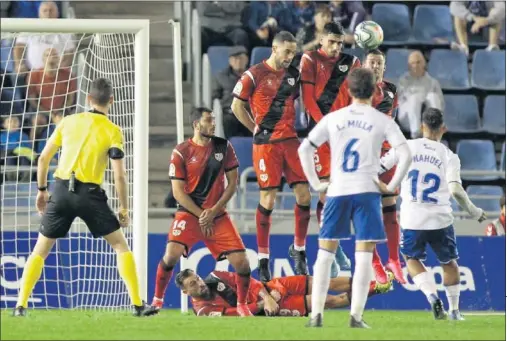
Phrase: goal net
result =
(47, 67)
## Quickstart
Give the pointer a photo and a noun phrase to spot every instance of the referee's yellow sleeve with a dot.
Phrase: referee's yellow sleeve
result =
(116, 150)
(56, 137)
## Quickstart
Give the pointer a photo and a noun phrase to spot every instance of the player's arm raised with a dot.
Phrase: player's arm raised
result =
(117, 155)
(242, 92)
(307, 67)
(318, 136)
(458, 193)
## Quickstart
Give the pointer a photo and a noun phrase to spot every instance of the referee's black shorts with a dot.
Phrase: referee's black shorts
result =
(88, 202)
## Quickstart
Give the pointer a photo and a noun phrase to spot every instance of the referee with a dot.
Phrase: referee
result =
(87, 140)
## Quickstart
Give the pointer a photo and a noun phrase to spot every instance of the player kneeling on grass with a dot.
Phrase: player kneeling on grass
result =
(87, 140)
(216, 295)
(197, 171)
(426, 213)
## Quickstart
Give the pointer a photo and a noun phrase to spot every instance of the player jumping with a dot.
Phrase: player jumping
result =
(385, 100)
(355, 134)
(285, 296)
(271, 88)
(197, 173)
(324, 87)
(426, 213)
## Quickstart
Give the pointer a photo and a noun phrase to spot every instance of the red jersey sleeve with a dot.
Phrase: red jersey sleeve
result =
(491, 230)
(307, 69)
(177, 170)
(232, 160)
(356, 64)
(245, 86)
(212, 310)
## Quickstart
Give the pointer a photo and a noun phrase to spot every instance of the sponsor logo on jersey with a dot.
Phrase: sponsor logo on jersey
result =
(238, 88)
(219, 156)
(343, 68)
(291, 81)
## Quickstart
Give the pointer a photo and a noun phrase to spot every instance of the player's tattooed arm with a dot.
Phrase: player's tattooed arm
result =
(238, 107)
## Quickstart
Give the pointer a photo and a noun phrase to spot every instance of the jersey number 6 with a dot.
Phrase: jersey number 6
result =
(350, 157)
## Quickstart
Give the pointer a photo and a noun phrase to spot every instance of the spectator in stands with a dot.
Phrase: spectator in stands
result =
(50, 87)
(27, 9)
(29, 49)
(221, 23)
(265, 18)
(476, 15)
(348, 14)
(222, 89)
(47, 130)
(18, 147)
(303, 12)
(497, 226)
(309, 37)
(416, 90)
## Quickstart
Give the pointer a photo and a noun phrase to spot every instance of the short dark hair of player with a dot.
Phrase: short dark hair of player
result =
(284, 36)
(197, 113)
(182, 276)
(101, 91)
(433, 118)
(333, 28)
(361, 83)
(375, 52)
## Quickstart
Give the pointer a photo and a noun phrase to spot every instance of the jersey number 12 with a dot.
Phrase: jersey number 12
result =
(429, 178)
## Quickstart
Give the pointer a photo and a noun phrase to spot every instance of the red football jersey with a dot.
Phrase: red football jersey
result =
(271, 95)
(222, 286)
(203, 169)
(324, 82)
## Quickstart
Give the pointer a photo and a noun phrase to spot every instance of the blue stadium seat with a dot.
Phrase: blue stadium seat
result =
(396, 64)
(243, 148)
(450, 68)
(288, 200)
(461, 113)
(6, 60)
(488, 70)
(359, 53)
(259, 54)
(431, 22)
(252, 195)
(493, 116)
(491, 204)
(218, 58)
(395, 22)
(502, 160)
(477, 155)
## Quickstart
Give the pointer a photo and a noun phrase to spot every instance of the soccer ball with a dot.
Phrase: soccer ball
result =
(368, 35)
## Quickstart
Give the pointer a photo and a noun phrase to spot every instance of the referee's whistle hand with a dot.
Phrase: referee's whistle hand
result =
(123, 217)
(41, 201)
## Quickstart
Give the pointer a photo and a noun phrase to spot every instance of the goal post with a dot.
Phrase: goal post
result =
(89, 278)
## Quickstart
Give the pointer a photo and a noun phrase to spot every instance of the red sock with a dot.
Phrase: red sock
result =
(318, 212)
(263, 222)
(164, 274)
(376, 257)
(392, 231)
(242, 287)
(302, 214)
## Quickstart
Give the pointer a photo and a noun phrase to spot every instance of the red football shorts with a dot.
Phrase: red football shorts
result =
(273, 160)
(293, 302)
(225, 239)
(323, 161)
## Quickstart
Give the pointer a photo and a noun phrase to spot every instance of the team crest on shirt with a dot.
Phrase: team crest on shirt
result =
(291, 81)
(390, 94)
(237, 89)
(343, 68)
(221, 287)
(264, 177)
(219, 156)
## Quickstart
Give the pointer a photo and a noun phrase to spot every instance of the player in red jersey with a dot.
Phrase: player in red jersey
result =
(197, 171)
(271, 88)
(286, 296)
(385, 100)
(324, 86)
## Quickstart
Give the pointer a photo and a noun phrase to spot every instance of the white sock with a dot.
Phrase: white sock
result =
(263, 255)
(363, 273)
(452, 292)
(321, 280)
(299, 248)
(426, 283)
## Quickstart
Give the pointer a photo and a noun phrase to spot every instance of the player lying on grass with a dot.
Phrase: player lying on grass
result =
(284, 296)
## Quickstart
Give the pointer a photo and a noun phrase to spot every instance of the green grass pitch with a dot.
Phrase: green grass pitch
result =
(172, 325)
